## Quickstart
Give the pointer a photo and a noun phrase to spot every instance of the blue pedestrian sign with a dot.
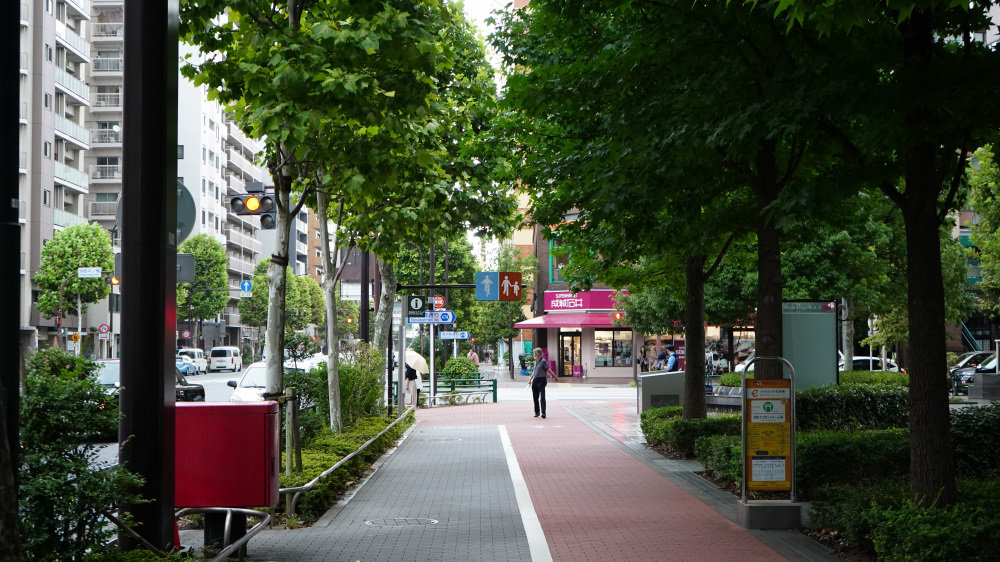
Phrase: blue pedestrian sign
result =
(487, 286)
(246, 286)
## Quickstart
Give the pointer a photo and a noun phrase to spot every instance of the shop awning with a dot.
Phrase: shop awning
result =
(570, 320)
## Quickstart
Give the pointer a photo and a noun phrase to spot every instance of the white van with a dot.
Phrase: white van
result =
(197, 357)
(225, 358)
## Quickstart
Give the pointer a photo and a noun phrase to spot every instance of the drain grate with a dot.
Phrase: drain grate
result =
(401, 522)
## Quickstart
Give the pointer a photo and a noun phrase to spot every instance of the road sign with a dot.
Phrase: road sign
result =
(104, 328)
(434, 317)
(510, 286)
(416, 305)
(246, 286)
(88, 272)
(454, 335)
(104, 336)
(439, 302)
(186, 334)
(487, 286)
(74, 337)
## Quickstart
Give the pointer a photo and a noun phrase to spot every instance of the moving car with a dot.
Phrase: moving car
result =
(225, 358)
(109, 376)
(185, 365)
(197, 357)
(251, 385)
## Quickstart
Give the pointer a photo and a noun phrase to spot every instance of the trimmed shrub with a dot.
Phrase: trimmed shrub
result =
(880, 378)
(830, 458)
(681, 434)
(460, 368)
(721, 455)
(841, 507)
(653, 423)
(915, 533)
(852, 407)
(975, 435)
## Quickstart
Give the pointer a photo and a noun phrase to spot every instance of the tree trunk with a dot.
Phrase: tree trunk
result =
(383, 318)
(10, 542)
(331, 271)
(276, 283)
(694, 338)
(767, 324)
(848, 333)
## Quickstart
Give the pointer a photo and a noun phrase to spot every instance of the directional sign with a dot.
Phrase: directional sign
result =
(434, 317)
(454, 335)
(510, 286)
(416, 305)
(88, 272)
(246, 286)
(487, 286)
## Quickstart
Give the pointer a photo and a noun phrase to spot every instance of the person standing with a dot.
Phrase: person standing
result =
(474, 357)
(539, 379)
(413, 384)
(671, 363)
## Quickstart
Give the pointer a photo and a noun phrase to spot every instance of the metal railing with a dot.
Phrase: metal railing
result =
(105, 136)
(292, 495)
(265, 521)
(108, 100)
(72, 84)
(106, 172)
(108, 64)
(100, 30)
(98, 208)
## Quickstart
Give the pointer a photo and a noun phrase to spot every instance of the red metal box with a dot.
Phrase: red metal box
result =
(226, 454)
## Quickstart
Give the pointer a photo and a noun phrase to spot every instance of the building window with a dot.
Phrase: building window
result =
(204, 154)
(47, 100)
(47, 197)
(180, 152)
(48, 6)
(612, 348)
(216, 223)
(202, 186)
(48, 52)
(47, 149)
(556, 263)
(319, 271)
(203, 218)
(106, 197)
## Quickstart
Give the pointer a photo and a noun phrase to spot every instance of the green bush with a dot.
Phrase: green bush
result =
(733, 379)
(916, 533)
(653, 424)
(884, 378)
(721, 456)
(841, 506)
(829, 457)
(460, 368)
(329, 448)
(680, 435)
(975, 433)
(62, 502)
(853, 407)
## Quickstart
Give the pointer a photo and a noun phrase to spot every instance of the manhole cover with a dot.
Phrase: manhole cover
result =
(400, 522)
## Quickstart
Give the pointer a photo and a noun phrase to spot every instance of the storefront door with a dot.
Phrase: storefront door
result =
(570, 363)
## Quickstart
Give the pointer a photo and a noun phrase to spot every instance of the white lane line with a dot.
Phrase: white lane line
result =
(537, 545)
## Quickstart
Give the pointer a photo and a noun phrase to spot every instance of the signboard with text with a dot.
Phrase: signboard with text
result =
(768, 419)
(596, 299)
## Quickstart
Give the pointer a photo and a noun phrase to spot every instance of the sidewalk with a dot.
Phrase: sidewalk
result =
(490, 482)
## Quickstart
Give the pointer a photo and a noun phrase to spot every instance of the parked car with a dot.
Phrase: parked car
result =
(971, 359)
(197, 357)
(868, 363)
(225, 358)
(962, 378)
(251, 385)
(109, 375)
(185, 365)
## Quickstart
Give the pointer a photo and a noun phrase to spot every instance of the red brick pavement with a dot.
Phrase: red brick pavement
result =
(597, 502)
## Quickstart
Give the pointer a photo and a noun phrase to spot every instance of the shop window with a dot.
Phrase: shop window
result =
(612, 348)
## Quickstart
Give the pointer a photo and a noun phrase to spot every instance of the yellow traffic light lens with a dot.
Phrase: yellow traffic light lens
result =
(252, 204)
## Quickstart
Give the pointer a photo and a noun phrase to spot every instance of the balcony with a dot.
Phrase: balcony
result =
(106, 172)
(73, 86)
(103, 208)
(105, 136)
(25, 13)
(72, 132)
(108, 31)
(239, 239)
(108, 101)
(238, 163)
(73, 42)
(23, 62)
(239, 265)
(82, 7)
(235, 183)
(71, 177)
(108, 64)
(65, 219)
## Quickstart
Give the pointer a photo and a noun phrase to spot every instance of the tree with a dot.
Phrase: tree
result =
(904, 106)
(208, 294)
(984, 179)
(60, 289)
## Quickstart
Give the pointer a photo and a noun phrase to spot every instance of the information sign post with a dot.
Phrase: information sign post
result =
(769, 450)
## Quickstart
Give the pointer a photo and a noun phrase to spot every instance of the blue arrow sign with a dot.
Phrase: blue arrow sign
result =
(246, 286)
(434, 317)
(487, 286)
(454, 335)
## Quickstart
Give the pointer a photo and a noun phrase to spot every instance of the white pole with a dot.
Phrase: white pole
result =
(400, 364)
(79, 325)
(431, 367)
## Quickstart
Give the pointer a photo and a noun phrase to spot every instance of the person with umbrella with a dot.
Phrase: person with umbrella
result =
(414, 363)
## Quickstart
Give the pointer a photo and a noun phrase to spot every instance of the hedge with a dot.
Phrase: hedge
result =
(680, 435)
(851, 407)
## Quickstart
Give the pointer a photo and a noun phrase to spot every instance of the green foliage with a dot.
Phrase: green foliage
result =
(650, 420)
(63, 501)
(852, 407)
(460, 368)
(832, 457)
(722, 456)
(914, 532)
(883, 378)
(680, 435)
(361, 388)
(984, 179)
(975, 434)
(733, 379)
(81, 245)
(329, 448)
(841, 507)
(211, 265)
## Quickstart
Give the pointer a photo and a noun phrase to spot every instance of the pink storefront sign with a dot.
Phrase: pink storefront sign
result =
(598, 299)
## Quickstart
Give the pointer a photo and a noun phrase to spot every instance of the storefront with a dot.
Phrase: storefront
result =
(580, 336)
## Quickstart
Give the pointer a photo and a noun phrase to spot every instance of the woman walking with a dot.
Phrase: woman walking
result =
(539, 378)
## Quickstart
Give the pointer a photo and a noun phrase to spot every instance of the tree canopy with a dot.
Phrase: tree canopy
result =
(81, 245)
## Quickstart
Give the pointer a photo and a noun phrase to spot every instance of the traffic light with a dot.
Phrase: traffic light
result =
(258, 204)
(350, 320)
(112, 280)
(619, 316)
